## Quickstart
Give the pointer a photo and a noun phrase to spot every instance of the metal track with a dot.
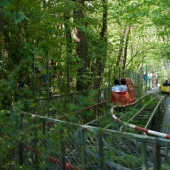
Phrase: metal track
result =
(148, 114)
(144, 117)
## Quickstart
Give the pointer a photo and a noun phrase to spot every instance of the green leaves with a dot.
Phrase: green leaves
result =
(4, 3)
(19, 16)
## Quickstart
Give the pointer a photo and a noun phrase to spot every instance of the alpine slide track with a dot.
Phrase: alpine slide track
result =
(135, 136)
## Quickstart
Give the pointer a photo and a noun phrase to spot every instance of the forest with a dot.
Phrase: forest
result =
(54, 47)
(70, 43)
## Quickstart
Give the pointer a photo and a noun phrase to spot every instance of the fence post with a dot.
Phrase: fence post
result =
(20, 150)
(156, 155)
(143, 154)
(61, 144)
(82, 147)
(45, 141)
(167, 158)
(100, 150)
(35, 144)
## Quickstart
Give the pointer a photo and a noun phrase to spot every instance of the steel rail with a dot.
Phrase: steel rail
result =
(147, 131)
(135, 103)
(140, 110)
(154, 112)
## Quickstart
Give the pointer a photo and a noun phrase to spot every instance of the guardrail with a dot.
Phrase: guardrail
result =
(146, 129)
(65, 145)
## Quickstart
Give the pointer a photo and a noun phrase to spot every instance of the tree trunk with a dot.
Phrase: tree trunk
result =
(126, 48)
(80, 38)
(121, 46)
(68, 47)
(100, 62)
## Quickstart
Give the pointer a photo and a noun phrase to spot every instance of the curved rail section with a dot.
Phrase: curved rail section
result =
(139, 105)
(145, 116)
(66, 145)
(145, 130)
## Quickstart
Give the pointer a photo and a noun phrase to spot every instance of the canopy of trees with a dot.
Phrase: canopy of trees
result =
(69, 43)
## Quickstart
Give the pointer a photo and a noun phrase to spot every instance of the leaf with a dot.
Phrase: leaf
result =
(4, 3)
(18, 17)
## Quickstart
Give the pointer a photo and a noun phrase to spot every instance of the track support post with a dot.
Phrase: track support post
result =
(156, 154)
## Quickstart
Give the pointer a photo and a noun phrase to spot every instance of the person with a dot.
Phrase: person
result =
(117, 87)
(146, 78)
(166, 83)
(155, 80)
(123, 84)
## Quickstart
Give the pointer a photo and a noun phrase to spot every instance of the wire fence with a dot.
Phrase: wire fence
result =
(46, 143)
(42, 140)
(59, 105)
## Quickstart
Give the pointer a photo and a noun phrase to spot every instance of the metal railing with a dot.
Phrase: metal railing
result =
(59, 105)
(46, 143)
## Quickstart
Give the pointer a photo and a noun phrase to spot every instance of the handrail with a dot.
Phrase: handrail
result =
(148, 131)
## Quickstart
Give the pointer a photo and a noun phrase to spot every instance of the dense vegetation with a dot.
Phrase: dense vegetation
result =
(62, 46)
(71, 43)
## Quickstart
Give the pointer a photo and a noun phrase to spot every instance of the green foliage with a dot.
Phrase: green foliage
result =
(40, 34)
(4, 2)
(33, 28)
(6, 139)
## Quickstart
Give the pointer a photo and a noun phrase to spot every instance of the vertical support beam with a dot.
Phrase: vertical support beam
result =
(143, 155)
(61, 144)
(82, 147)
(100, 150)
(45, 141)
(20, 150)
(35, 142)
(156, 155)
(167, 152)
